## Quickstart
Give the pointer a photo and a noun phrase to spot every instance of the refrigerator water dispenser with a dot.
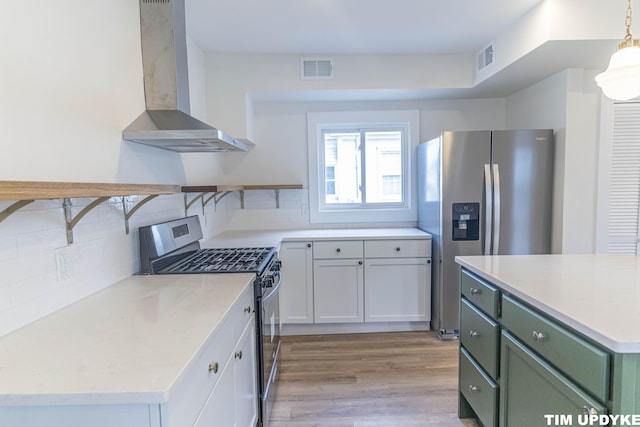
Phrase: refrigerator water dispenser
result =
(466, 221)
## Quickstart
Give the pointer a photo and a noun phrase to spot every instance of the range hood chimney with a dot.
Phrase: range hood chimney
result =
(166, 123)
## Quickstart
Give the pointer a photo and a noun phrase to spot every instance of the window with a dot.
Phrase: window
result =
(360, 169)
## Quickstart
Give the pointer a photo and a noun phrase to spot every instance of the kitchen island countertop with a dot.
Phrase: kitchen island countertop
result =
(253, 238)
(129, 343)
(598, 295)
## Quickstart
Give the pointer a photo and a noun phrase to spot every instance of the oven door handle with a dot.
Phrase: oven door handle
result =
(274, 289)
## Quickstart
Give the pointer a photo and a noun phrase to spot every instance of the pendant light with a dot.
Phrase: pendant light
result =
(621, 80)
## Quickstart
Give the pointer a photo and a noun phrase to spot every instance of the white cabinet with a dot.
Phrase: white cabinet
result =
(233, 400)
(397, 280)
(380, 282)
(296, 290)
(217, 388)
(338, 281)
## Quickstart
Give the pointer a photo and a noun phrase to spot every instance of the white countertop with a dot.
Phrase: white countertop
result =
(249, 238)
(129, 343)
(597, 295)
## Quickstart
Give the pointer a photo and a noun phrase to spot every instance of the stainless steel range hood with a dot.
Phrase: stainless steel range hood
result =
(166, 123)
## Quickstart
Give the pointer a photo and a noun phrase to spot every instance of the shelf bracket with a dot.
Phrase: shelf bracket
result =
(129, 213)
(72, 221)
(241, 199)
(216, 197)
(277, 198)
(13, 208)
(188, 204)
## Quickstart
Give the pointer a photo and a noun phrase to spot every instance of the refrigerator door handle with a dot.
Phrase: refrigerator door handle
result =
(496, 205)
(488, 209)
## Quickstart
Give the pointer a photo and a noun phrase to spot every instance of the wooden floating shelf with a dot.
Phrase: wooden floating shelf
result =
(32, 190)
(221, 188)
(25, 192)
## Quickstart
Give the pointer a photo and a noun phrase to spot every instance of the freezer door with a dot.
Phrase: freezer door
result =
(523, 185)
(464, 156)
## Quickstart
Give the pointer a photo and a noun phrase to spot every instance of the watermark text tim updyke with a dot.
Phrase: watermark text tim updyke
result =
(592, 420)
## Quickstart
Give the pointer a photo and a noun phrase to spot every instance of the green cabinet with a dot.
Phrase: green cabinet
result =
(518, 363)
(531, 389)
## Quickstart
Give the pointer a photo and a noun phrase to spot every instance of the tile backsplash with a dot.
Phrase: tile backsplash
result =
(33, 245)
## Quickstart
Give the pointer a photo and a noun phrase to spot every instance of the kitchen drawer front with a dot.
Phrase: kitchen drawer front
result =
(480, 336)
(480, 293)
(479, 390)
(241, 312)
(193, 390)
(418, 248)
(337, 249)
(585, 363)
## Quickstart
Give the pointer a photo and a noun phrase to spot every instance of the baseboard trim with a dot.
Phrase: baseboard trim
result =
(352, 328)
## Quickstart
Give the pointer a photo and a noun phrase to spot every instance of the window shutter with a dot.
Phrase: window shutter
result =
(624, 202)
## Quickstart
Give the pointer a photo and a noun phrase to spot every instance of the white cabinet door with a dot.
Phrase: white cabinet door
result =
(219, 409)
(397, 289)
(338, 291)
(246, 388)
(296, 290)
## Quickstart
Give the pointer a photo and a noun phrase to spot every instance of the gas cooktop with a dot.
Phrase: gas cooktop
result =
(224, 260)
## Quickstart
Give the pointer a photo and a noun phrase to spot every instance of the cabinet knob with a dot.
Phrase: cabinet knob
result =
(538, 336)
(589, 411)
(475, 291)
(398, 249)
(308, 245)
(474, 388)
(213, 367)
(247, 309)
(474, 334)
(428, 261)
(360, 262)
(338, 250)
(238, 354)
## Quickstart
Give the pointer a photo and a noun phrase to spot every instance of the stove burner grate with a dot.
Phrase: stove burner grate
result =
(223, 260)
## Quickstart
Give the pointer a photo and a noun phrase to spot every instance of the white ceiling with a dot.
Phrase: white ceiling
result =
(386, 27)
(350, 26)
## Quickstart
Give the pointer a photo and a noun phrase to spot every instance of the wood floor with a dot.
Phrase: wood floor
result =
(367, 380)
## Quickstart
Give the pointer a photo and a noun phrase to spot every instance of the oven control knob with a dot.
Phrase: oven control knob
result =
(276, 265)
(268, 282)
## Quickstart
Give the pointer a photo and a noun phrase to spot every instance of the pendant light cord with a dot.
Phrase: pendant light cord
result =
(627, 22)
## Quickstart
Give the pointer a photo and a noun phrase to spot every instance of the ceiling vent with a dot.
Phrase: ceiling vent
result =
(316, 68)
(484, 57)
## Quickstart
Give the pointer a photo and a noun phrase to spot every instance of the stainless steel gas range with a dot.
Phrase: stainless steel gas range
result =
(173, 247)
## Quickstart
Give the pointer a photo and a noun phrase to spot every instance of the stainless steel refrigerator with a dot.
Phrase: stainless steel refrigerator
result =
(482, 193)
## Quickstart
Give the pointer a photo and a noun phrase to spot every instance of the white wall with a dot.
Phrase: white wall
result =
(567, 102)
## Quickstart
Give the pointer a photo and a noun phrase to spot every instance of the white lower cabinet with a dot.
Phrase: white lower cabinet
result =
(218, 390)
(356, 281)
(296, 290)
(397, 289)
(233, 400)
(338, 291)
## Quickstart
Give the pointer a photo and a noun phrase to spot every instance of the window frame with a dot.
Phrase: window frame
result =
(322, 212)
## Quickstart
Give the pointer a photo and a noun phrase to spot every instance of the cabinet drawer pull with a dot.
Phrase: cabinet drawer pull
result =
(474, 389)
(538, 336)
(475, 291)
(589, 411)
(474, 334)
(398, 249)
(308, 245)
(247, 309)
(238, 354)
(213, 367)
(359, 262)
(338, 250)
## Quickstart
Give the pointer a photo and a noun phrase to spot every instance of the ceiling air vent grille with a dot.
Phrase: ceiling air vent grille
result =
(316, 68)
(155, 1)
(485, 57)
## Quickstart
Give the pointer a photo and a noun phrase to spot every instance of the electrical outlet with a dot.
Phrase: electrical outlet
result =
(64, 263)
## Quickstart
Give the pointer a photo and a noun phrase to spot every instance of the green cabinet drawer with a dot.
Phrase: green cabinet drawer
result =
(479, 390)
(585, 363)
(530, 389)
(480, 337)
(480, 293)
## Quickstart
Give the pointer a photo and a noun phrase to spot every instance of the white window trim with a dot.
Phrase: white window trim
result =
(348, 119)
